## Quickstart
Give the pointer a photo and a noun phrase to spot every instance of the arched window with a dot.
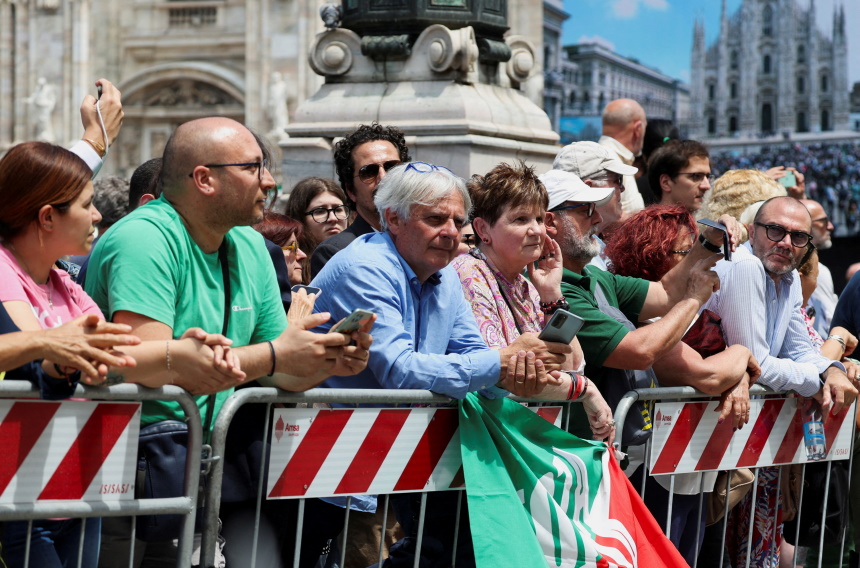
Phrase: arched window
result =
(712, 125)
(572, 98)
(824, 83)
(801, 85)
(733, 90)
(766, 118)
(767, 20)
(825, 119)
(801, 122)
(711, 92)
(733, 59)
(801, 54)
(733, 123)
(766, 64)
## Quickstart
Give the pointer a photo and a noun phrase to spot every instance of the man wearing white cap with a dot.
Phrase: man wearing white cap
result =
(607, 343)
(597, 167)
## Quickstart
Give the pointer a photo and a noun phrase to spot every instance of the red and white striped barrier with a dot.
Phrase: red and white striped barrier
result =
(327, 452)
(687, 437)
(70, 450)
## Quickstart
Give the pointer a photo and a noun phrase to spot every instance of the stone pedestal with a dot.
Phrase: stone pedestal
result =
(456, 109)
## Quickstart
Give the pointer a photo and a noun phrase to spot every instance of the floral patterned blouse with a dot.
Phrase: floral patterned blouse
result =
(502, 309)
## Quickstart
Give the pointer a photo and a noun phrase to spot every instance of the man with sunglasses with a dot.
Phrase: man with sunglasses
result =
(759, 302)
(361, 160)
(679, 173)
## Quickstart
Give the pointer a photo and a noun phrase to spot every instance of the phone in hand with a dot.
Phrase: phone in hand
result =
(352, 322)
(727, 245)
(562, 327)
(308, 289)
(99, 91)
(789, 179)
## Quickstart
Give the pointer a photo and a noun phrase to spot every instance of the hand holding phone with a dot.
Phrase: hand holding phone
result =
(727, 245)
(562, 327)
(352, 322)
(789, 179)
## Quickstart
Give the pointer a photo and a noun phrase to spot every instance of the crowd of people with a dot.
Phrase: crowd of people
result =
(192, 279)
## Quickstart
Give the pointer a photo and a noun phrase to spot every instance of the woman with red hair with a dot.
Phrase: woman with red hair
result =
(647, 245)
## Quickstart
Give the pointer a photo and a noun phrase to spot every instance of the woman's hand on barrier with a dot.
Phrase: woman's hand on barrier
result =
(86, 343)
(355, 357)
(735, 404)
(301, 306)
(837, 392)
(547, 276)
(599, 414)
(193, 362)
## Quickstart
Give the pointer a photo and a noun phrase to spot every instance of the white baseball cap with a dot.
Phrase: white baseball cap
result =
(564, 186)
(590, 159)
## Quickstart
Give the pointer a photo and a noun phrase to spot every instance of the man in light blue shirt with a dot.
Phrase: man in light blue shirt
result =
(759, 302)
(425, 336)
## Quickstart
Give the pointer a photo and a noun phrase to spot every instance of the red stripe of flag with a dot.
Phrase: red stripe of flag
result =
(716, 447)
(760, 432)
(679, 437)
(89, 451)
(21, 428)
(549, 413)
(793, 437)
(311, 453)
(831, 427)
(429, 451)
(367, 461)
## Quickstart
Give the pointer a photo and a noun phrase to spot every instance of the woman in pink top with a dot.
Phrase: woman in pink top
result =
(47, 213)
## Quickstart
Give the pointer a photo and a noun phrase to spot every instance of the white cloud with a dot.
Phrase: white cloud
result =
(627, 9)
(598, 40)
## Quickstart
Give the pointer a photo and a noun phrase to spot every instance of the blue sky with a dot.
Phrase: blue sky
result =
(659, 33)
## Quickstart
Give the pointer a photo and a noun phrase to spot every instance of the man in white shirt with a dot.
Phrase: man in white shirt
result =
(823, 299)
(624, 125)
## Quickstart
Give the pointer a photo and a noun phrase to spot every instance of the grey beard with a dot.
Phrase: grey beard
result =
(580, 249)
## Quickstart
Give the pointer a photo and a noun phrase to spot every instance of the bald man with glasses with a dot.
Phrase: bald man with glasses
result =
(759, 301)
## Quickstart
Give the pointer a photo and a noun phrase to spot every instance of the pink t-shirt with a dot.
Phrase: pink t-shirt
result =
(55, 303)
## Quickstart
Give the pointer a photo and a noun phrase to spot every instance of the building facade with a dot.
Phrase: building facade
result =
(173, 60)
(770, 71)
(596, 75)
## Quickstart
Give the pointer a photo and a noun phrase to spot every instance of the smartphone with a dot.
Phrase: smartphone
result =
(562, 327)
(727, 245)
(352, 322)
(789, 179)
(99, 90)
(308, 289)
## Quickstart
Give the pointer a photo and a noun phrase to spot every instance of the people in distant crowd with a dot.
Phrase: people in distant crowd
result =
(596, 167)
(319, 204)
(658, 132)
(680, 173)
(736, 190)
(361, 159)
(624, 126)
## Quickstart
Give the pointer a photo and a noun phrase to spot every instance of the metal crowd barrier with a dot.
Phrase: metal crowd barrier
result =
(183, 505)
(664, 394)
(271, 396)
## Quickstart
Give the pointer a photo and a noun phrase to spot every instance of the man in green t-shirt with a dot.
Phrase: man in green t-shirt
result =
(189, 259)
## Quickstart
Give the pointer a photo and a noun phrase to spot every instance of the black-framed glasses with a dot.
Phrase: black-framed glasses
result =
(697, 177)
(425, 168)
(588, 212)
(469, 239)
(261, 165)
(321, 214)
(369, 172)
(776, 233)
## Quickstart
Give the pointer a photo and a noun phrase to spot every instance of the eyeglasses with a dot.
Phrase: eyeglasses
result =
(697, 177)
(425, 168)
(469, 239)
(588, 212)
(823, 220)
(261, 165)
(688, 251)
(605, 181)
(369, 172)
(291, 248)
(776, 233)
(321, 214)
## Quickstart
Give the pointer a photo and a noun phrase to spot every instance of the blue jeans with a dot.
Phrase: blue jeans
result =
(53, 544)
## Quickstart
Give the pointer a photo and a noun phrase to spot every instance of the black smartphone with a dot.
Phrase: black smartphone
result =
(352, 322)
(308, 289)
(727, 245)
(99, 91)
(562, 327)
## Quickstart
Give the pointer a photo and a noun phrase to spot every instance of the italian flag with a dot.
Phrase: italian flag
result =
(539, 496)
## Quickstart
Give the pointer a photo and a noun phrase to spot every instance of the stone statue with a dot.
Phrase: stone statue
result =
(278, 110)
(43, 100)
